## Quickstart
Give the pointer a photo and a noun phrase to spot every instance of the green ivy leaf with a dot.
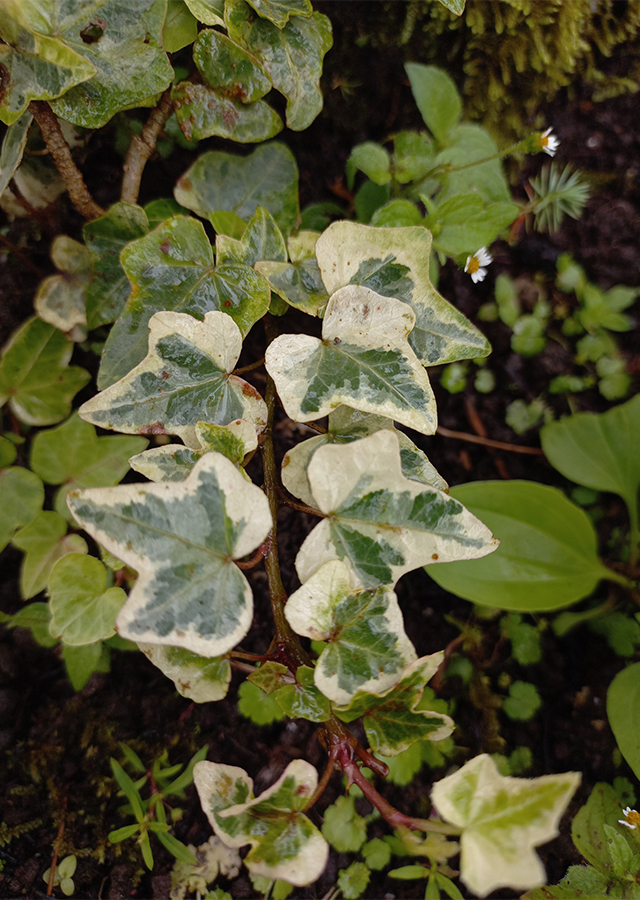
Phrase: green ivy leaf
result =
(280, 11)
(502, 820)
(284, 842)
(44, 541)
(298, 282)
(83, 609)
(72, 455)
(437, 99)
(13, 144)
(262, 239)
(303, 700)
(623, 711)
(464, 223)
(82, 662)
(269, 677)
(394, 262)
(180, 27)
(201, 679)
(203, 111)
(61, 299)
(548, 554)
(35, 376)
(182, 539)
(106, 237)
(366, 645)
(184, 379)
(378, 522)
(21, 499)
(209, 12)
(35, 617)
(222, 183)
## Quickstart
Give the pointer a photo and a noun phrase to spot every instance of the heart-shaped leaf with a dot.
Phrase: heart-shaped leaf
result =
(61, 299)
(182, 539)
(44, 541)
(201, 680)
(21, 499)
(83, 609)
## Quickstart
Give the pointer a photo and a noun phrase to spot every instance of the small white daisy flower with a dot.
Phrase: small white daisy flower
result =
(631, 818)
(549, 142)
(474, 265)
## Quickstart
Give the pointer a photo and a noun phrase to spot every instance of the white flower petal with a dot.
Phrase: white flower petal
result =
(478, 275)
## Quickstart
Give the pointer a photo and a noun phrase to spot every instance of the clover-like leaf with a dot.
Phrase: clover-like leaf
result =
(367, 647)
(61, 299)
(262, 239)
(393, 719)
(379, 523)
(13, 144)
(200, 679)
(83, 608)
(21, 499)
(44, 541)
(284, 842)
(363, 360)
(182, 539)
(171, 269)
(502, 820)
(184, 379)
(35, 376)
(347, 425)
(394, 262)
(105, 237)
(203, 111)
(72, 455)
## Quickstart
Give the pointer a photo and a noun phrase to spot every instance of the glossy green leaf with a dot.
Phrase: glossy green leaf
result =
(380, 523)
(209, 12)
(363, 360)
(61, 299)
(394, 262)
(347, 425)
(291, 55)
(223, 182)
(73, 456)
(21, 499)
(44, 541)
(82, 662)
(184, 379)
(182, 539)
(106, 237)
(262, 240)
(393, 719)
(367, 647)
(228, 68)
(172, 269)
(204, 112)
(463, 223)
(623, 712)
(83, 608)
(548, 553)
(279, 11)
(502, 820)
(180, 26)
(468, 144)
(437, 98)
(13, 144)
(8, 452)
(269, 677)
(35, 376)
(303, 699)
(198, 678)
(125, 47)
(284, 842)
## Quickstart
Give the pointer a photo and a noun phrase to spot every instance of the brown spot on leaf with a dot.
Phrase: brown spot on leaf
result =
(156, 428)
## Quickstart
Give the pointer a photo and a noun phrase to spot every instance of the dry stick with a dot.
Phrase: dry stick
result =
(488, 442)
(142, 146)
(61, 154)
(478, 426)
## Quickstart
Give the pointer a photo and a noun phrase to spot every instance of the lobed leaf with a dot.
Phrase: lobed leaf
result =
(201, 679)
(21, 499)
(61, 299)
(298, 282)
(303, 699)
(262, 239)
(44, 541)
(83, 609)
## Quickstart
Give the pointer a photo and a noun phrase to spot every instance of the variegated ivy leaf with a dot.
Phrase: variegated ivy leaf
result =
(171, 269)
(284, 842)
(203, 112)
(21, 499)
(174, 462)
(44, 541)
(13, 144)
(303, 699)
(280, 11)
(299, 282)
(502, 820)
(83, 608)
(391, 718)
(262, 239)
(394, 262)
(379, 523)
(367, 648)
(228, 68)
(363, 360)
(182, 539)
(184, 379)
(61, 299)
(347, 425)
(201, 680)
(209, 12)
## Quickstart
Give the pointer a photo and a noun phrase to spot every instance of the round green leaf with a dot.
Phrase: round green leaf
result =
(83, 610)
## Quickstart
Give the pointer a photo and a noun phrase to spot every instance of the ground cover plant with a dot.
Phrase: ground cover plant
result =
(215, 327)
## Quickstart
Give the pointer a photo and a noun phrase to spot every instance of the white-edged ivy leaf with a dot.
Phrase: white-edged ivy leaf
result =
(106, 237)
(35, 376)
(366, 649)
(379, 523)
(228, 68)
(219, 183)
(466, 144)
(173, 462)
(61, 299)
(548, 556)
(73, 456)
(209, 12)
(83, 608)
(201, 679)
(203, 112)
(465, 222)
(347, 425)
(363, 360)
(394, 262)
(393, 719)
(184, 379)
(171, 269)
(21, 499)
(180, 27)
(291, 55)
(502, 820)
(262, 239)
(280, 11)
(182, 539)
(303, 699)
(44, 541)
(13, 144)
(298, 283)
(623, 712)
(124, 44)
(284, 842)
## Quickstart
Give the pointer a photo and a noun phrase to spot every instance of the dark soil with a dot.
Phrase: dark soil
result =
(57, 787)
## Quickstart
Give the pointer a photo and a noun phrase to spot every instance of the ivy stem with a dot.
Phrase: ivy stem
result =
(301, 507)
(326, 777)
(249, 368)
(257, 557)
(61, 155)
(142, 146)
(488, 442)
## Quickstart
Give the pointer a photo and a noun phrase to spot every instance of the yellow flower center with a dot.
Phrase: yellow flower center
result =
(473, 265)
(633, 817)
